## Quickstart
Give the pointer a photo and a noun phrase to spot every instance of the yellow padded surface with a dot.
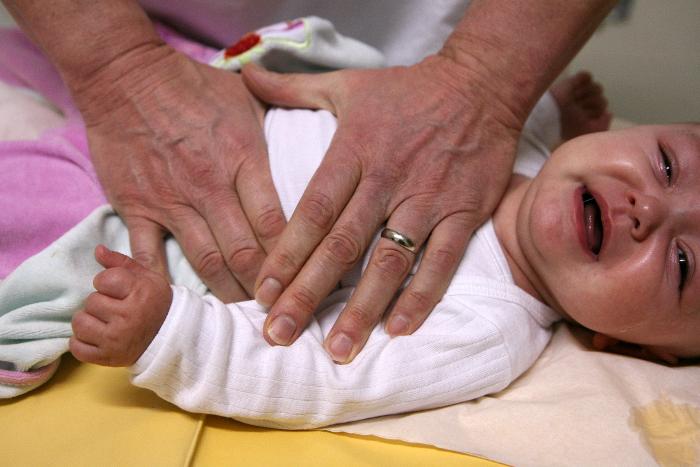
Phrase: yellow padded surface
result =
(89, 415)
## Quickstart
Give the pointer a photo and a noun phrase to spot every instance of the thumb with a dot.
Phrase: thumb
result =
(112, 259)
(312, 91)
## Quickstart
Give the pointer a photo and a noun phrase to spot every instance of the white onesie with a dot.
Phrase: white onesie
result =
(210, 357)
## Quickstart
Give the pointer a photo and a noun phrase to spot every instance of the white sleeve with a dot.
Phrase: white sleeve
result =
(540, 136)
(209, 357)
(544, 122)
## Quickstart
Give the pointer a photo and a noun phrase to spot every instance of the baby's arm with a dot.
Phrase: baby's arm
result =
(209, 357)
(120, 319)
(205, 356)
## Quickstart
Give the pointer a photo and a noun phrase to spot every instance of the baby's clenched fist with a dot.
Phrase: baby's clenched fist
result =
(120, 319)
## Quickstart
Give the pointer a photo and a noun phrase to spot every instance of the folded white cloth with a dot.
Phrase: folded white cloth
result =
(301, 45)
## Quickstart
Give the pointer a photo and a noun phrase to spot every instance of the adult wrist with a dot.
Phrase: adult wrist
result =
(488, 74)
(133, 72)
(484, 97)
(80, 37)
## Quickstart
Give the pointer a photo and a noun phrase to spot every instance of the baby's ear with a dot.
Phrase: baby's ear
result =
(603, 342)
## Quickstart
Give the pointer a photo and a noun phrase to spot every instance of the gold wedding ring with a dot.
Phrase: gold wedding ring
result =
(399, 238)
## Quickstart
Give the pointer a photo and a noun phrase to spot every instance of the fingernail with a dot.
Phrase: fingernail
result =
(340, 348)
(282, 329)
(398, 325)
(268, 292)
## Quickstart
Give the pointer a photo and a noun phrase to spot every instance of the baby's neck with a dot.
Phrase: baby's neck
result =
(505, 224)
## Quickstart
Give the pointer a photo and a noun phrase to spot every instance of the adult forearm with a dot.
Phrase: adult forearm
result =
(518, 48)
(82, 36)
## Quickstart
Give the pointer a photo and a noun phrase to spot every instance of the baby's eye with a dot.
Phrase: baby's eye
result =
(666, 164)
(683, 267)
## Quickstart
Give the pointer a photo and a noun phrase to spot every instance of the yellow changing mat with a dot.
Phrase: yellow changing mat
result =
(89, 415)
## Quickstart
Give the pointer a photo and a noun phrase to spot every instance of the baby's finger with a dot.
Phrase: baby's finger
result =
(111, 259)
(85, 352)
(114, 282)
(88, 329)
(103, 307)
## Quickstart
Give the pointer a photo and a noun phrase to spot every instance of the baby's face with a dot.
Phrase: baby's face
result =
(611, 229)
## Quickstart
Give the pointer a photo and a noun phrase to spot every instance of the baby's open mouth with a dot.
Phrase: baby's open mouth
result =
(592, 223)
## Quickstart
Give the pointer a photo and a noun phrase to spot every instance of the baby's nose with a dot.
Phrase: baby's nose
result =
(647, 213)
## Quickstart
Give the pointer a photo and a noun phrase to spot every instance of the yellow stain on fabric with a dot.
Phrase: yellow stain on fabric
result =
(670, 431)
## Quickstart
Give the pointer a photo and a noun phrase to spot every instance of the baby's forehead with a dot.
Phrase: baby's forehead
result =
(690, 130)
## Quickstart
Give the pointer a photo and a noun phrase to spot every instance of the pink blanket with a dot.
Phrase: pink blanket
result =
(47, 185)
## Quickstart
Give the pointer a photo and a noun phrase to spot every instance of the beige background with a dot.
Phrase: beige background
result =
(649, 64)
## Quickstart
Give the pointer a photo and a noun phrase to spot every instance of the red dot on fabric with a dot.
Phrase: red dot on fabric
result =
(246, 43)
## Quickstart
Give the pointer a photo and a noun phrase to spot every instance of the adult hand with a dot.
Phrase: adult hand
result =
(427, 149)
(178, 147)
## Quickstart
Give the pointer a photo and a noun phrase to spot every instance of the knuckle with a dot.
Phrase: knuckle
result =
(421, 301)
(341, 247)
(392, 262)
(209, 263)
(244, 143)
(116, 342)
(147, 260)
(77, 323)
(317, 211)
(285, 262)
(202, 176)
(269, 223)
(91, 302)
(118, 276)
(304, 299)
(473, 212)
(112, 337)
(442, 259)
(359, 317)
(244, 258)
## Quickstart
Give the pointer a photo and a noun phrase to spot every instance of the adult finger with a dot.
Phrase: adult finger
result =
(261, 204)
(202, 251)
(321, 204)
(440, 260)
(291, 89)
(337, 253)
(146, 242)
(240, 251)
(388, 266)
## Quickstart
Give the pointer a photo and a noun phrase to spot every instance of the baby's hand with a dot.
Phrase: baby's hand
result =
(120, 320)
